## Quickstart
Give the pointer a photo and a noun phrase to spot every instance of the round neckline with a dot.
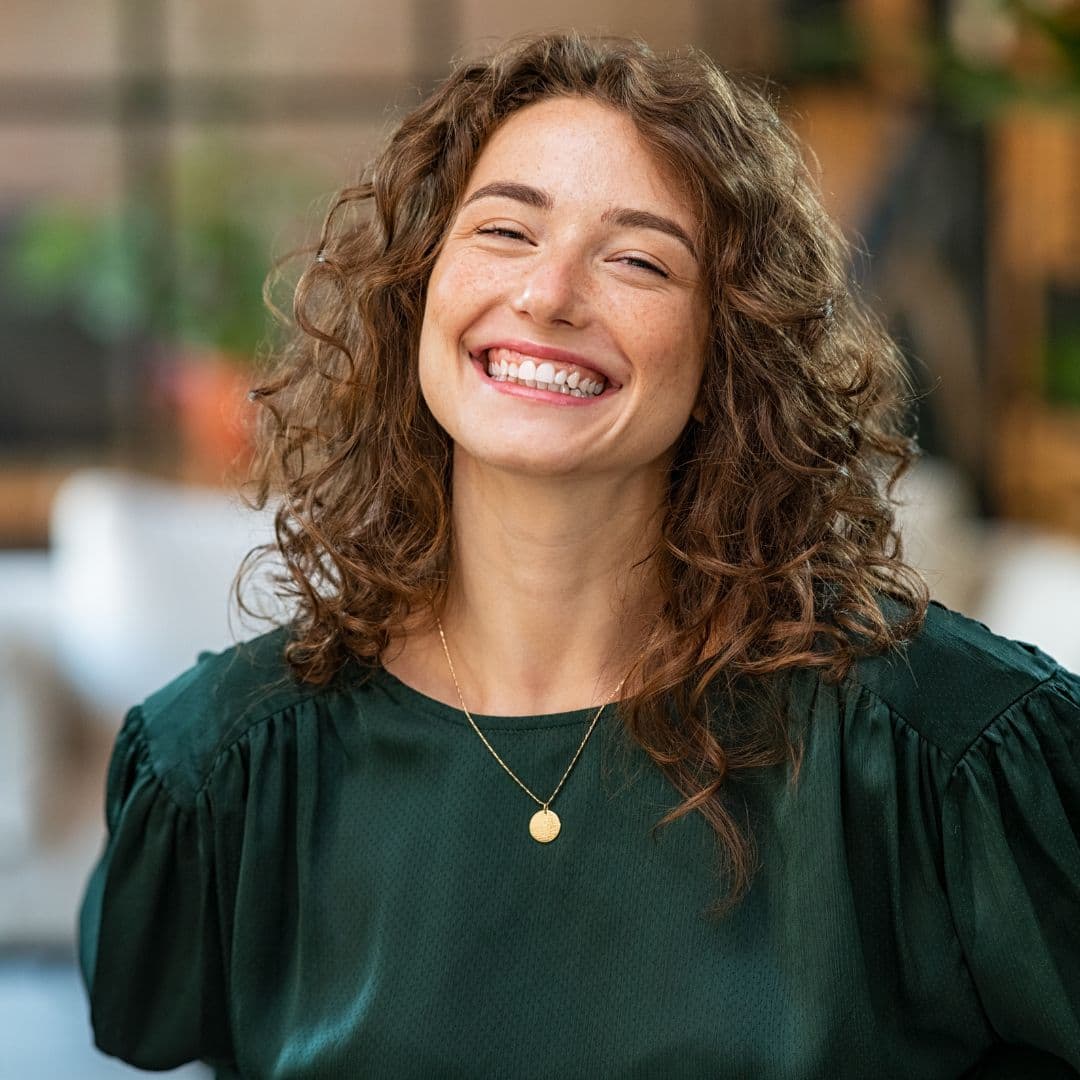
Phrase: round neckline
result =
(433, 707)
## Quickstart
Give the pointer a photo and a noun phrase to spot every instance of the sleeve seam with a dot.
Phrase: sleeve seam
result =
(262, 718)
(897, 713)
(143, 738)
(962, 756)
(993, 719)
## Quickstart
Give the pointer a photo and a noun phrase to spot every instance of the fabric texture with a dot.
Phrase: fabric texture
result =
(340, 882)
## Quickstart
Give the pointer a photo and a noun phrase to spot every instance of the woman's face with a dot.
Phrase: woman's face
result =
(568, 269)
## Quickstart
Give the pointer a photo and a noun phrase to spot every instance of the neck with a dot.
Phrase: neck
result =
(546, 607)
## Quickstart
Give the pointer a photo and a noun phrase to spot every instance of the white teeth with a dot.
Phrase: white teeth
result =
(541, 376)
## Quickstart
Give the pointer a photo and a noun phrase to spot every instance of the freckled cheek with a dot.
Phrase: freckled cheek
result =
(458, 292)
(661, 346)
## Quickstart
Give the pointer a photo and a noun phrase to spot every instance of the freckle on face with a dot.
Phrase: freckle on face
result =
(568, 281)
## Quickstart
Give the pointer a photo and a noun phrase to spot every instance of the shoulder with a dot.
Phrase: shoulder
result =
(954, 677)
(187, 723)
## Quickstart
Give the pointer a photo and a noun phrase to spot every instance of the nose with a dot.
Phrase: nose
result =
(551, 289)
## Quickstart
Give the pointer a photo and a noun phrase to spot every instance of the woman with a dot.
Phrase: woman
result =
(580, 442)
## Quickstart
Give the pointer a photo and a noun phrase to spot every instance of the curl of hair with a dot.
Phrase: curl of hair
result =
(778, 538)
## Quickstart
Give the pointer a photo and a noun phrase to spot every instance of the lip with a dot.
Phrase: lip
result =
(548, 352)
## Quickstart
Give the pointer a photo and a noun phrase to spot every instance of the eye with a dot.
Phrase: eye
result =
(501, 230)
(643, 264)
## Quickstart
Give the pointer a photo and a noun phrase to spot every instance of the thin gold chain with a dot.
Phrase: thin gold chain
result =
(541, 802)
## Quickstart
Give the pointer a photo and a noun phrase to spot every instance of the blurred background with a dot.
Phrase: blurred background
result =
(157, 155)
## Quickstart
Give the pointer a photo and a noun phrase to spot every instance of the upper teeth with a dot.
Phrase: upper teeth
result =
(505, 365)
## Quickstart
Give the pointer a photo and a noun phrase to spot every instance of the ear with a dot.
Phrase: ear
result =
(698, 411)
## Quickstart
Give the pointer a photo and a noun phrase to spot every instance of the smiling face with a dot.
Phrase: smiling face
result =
(565, 322)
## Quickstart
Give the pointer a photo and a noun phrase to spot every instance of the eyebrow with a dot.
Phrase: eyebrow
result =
(541, 200)
(504, 189)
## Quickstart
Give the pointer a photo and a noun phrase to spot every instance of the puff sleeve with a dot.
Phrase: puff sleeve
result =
(1011, 833)
(150, 940)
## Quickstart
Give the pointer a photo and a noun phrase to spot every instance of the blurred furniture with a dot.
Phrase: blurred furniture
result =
(1035, 357)
(136, 583)
(1020, 579)
(26, 497)
(141, 573)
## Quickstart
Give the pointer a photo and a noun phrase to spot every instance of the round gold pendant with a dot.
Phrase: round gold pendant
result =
(544, 826)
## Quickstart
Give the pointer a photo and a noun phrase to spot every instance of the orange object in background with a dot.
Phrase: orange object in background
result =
(208, 392)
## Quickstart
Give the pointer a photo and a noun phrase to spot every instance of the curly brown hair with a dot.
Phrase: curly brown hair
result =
(778, 540)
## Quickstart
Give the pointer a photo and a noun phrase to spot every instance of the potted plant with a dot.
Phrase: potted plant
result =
(180, 280)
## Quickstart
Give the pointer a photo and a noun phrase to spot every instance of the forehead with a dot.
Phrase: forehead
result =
(581, 152)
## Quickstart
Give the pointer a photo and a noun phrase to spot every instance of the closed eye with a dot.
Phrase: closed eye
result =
(517, 234)
(644, 264)
(500, 230)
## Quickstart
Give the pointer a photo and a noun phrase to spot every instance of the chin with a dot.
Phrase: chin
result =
(524, 462)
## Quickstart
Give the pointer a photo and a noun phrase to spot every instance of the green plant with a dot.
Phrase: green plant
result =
(187, 271)
(977, 87)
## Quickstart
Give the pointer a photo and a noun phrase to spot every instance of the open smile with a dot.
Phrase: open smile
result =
(542, 373)
(506, 365)
(524, 377)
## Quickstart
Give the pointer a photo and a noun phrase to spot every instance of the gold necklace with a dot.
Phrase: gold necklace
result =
(544, 825)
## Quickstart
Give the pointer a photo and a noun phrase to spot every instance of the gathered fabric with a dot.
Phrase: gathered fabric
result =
(339, 882)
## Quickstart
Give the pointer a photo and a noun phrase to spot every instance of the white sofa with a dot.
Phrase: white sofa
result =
(136, 583)
(141, 574)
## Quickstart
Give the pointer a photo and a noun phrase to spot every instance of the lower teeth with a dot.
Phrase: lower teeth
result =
(556, 388)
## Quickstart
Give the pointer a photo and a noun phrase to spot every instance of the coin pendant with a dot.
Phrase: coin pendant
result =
(544, 826)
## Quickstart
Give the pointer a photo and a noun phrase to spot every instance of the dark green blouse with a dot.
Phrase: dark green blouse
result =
(340, 882)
